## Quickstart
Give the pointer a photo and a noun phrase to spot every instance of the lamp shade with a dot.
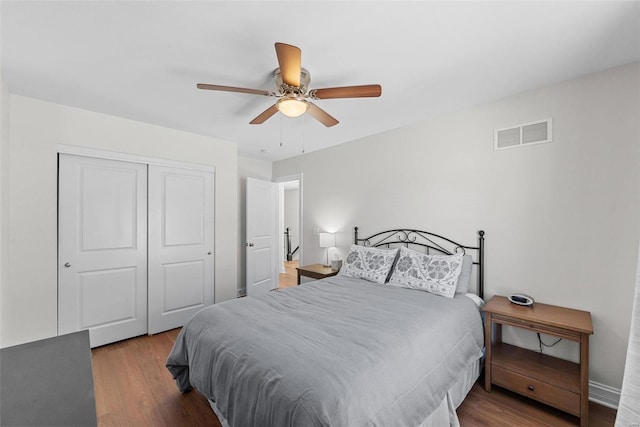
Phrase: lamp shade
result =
(327, 240)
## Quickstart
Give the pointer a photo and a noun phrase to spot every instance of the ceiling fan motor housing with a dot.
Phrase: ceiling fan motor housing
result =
(283, 88)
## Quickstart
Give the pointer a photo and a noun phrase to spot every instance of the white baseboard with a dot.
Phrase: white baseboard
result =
(604, 395)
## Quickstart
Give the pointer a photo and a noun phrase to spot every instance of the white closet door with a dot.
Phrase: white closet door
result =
(102, 248)
(181, 259)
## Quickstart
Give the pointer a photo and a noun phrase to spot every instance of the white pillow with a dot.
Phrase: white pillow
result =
(367, 263)
(465, 275)
(437, 274)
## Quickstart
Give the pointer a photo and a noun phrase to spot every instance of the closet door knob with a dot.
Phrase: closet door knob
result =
(66, 264)
(209, 253)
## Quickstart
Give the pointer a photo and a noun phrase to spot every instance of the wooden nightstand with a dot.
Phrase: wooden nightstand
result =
(315, 271)
(556, 382)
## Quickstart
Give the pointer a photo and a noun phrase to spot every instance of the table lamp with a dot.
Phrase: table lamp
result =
(327, 240)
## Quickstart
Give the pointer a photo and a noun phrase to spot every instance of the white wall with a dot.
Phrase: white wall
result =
(562, 219)
(29, 299)
(4, 189)
(247, 168)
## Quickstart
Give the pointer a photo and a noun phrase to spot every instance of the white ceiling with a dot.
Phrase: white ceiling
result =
(141, 60)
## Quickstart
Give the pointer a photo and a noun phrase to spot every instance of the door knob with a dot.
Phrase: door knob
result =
(66, 264)
(250, 245)
(209, 253)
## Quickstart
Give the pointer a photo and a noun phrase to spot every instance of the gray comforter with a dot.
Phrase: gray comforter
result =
(335, 352)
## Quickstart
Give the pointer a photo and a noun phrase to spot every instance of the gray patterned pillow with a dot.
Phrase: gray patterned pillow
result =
(437, 274)
(371, 264)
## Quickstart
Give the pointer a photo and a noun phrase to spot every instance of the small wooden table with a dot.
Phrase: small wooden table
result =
(315, 271)
(556, 382)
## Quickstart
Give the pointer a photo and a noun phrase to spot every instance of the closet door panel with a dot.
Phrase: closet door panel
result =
(102, 248)
(107, 296)
(183, 286)
(181, 258)
(184, 209)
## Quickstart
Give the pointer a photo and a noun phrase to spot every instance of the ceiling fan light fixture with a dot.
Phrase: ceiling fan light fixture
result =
(293, 96)
(292, 107)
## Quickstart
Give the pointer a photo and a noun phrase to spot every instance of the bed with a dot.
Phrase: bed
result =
(380, 344)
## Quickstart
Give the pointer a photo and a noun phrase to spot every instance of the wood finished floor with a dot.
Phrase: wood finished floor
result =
(290, 276)
(133, 388)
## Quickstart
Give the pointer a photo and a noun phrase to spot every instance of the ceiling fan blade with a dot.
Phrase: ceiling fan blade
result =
(322, 116)
(262, 117)
(289, 59)
(364, 91)
(235, 89)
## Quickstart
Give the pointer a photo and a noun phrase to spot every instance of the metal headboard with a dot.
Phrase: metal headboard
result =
(430, 242)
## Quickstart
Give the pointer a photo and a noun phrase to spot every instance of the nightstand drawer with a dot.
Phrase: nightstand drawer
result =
(538, 390)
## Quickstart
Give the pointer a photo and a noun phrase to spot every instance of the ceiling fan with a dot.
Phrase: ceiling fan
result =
(293, 98)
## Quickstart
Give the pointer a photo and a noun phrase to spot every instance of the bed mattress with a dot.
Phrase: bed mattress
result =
(335, 352)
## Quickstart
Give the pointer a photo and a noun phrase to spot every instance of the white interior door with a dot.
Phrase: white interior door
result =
(261, 245)
(102, 248)
(181, 258)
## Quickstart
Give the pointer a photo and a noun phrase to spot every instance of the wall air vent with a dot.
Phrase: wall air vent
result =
(519, 136)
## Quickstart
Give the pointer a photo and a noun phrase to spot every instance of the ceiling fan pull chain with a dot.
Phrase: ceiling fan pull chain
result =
(281, 143)
(304, 123)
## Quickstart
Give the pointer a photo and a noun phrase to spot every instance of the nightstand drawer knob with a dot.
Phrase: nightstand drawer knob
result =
(531, 387)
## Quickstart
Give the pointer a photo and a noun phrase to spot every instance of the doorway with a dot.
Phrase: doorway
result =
(290, 225)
